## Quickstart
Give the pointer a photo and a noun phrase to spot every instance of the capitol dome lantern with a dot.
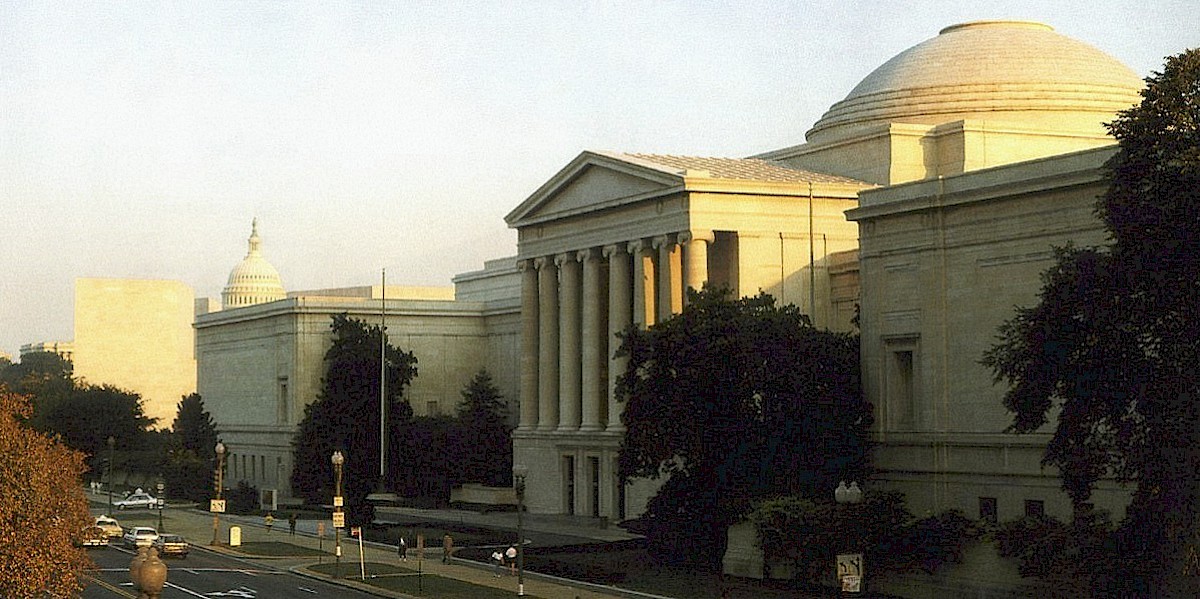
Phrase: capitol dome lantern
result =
(253, 280)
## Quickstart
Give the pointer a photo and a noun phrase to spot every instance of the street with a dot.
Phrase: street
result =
(207, 574)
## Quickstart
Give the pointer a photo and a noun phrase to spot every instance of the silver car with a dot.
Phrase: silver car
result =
(143, 500)
(140, 536)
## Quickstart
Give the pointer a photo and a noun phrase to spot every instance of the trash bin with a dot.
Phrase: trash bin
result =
(235, 536)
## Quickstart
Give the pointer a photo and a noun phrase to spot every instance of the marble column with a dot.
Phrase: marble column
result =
(547, 344)
(643, 282)
(620, 317)
(529, 346)
(569, 346)
(695, 258)
(595, 339)
(670, 292)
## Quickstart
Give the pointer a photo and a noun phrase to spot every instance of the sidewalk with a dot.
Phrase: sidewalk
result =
(197, 527)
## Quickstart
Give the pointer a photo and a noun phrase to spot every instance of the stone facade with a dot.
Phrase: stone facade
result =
(137, 335)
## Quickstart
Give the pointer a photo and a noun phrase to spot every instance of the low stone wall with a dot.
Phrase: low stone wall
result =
(484, 498)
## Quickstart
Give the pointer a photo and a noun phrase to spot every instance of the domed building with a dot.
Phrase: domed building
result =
(931, 196)
(253, 280)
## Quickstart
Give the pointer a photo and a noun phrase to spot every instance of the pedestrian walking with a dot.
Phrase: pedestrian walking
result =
(497, 562)
(269, 520)
(292, 524)
(402, 549)
(511, 556)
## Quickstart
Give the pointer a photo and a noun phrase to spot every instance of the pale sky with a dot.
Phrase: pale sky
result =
(138, 139)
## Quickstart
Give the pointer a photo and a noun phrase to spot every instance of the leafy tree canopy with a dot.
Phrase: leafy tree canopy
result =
(1112, 340)
(42, 506)
(345, 416)
(482, 445)
(736, 400)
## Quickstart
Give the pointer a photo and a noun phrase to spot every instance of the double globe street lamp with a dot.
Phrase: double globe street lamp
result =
(218, 505)
(519, 474)
(337, 459)
(850, 567)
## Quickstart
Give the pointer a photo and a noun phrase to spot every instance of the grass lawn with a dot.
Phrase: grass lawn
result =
(404, 580)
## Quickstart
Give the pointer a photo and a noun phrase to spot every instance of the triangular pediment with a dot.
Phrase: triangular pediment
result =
(593, 181)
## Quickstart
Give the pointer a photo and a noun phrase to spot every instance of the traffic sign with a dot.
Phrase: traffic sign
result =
(355, 531)
(339, 520)
(216, 506)
(850, 571)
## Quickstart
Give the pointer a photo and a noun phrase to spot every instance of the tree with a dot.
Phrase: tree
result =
(192, 454)
(482, 447)
(90, 414)
(735, 400)
(44, 377)
(42, 506)
(345, 417)
(1112, 340)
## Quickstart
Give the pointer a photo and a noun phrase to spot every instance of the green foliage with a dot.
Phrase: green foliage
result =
(807, 535)
(345, 417)
(425, 466)
(736, 400)
(1080, 559)
(90, 414)
(482, 444)
(1112, 341)
(243, 500)
(188, 470)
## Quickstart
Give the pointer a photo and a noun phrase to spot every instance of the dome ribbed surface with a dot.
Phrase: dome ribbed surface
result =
(253, 280)
(1011, 71)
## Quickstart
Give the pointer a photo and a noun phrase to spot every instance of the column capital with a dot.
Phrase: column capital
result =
(526, 265)
(704, 235)
(662, 241)
(613, 249)
(565, 257)
(542, 262)
(639, 245)
(588, 254)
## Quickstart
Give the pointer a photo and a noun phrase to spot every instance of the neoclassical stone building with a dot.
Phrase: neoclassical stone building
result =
(930, 197)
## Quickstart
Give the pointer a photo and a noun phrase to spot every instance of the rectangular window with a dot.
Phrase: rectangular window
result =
(1035, 508)
(281, 408)
(594, 468)
(569, 484)
(900, 384)
(987, 509)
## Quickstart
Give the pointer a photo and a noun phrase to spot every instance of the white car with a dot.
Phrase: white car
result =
(137, 499)
(140, 536)
(110, 526)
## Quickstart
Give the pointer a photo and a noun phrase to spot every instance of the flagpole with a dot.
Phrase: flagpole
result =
(383, 382)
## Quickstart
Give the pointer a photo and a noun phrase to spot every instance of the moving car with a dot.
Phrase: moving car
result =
(110, 526)
(138, 498)
(169, 544)
(92, 536)
(140, 536)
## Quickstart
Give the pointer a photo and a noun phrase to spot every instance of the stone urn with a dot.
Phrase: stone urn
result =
(154, 575)
(135, 568)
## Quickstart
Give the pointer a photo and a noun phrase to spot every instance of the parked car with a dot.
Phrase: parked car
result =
(92, 536)
(138, 498)
(168, 544)
(140, 536)
(110, 526)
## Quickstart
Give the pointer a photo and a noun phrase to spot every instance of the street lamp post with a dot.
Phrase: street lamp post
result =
(112, 444)
(850, 566)
(218, 505)
(161, 501)
(337, 459)
(519, 473)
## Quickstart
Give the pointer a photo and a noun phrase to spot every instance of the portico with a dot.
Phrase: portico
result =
(615, 240)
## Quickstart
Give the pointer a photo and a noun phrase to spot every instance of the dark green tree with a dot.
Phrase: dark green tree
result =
(482, 448)
(1112, 342)
(44, 377)
(189, 469)
(345, 417)
(735, 400)
(90, 414)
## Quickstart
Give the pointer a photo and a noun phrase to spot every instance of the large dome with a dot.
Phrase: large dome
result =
(1009, 71)
(253, 280)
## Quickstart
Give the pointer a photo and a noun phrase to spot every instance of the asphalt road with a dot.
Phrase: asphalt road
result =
(207, 574)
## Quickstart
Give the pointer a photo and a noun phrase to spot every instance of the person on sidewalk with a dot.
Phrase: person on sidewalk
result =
(292, 524)
(447, 548)
(497, 563)
(402, 549)
(269, 520)
(511, 556)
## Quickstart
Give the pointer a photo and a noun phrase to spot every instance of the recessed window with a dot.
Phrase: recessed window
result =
(1035, 508)
(987, 509)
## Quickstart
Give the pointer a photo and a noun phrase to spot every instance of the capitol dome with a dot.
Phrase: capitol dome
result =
(1015, 72)
(253, 280)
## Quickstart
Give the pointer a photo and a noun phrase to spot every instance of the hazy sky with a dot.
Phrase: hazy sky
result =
(138, 139)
